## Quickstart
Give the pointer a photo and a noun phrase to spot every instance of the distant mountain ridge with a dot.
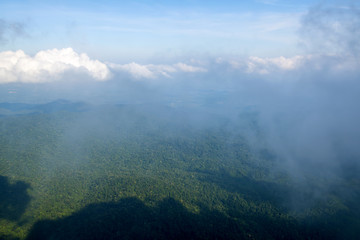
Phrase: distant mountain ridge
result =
(54, 106)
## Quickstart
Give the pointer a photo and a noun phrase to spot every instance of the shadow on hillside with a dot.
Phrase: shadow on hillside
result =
(8, 237)
(13, 199)
(130, 218)
(249, 189)
(325, 219)
(286, 198)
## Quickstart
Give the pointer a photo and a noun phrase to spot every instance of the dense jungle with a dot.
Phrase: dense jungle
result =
(71, 170)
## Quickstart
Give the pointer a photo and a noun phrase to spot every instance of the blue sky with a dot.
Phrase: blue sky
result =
(141, 30)
(168, 42)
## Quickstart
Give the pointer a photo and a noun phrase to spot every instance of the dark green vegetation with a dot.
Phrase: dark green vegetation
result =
(138, 173)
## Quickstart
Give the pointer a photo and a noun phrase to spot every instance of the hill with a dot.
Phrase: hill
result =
(76, 171)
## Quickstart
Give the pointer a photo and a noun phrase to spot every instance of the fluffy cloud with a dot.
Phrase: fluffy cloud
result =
(188, 68)
(152, 71)
(136, 70)
(270, 68)
(306, 63)
(50, 65)
(47, 66)
(266, 65)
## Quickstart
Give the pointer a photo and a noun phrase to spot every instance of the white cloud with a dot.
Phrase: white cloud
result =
(48, 65)
(136, 70)
(188, 68)
(264, 66)
(153, 71)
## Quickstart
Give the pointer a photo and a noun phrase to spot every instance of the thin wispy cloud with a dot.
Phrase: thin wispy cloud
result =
(10, 30)
(153, 71)
(332, 29)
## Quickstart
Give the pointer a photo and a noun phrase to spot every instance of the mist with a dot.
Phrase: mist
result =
(306, 106)
(268, 144)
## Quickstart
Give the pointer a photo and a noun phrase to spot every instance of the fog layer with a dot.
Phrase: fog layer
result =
(305, 107)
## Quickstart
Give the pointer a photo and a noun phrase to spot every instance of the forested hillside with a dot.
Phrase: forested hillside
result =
(140, 172)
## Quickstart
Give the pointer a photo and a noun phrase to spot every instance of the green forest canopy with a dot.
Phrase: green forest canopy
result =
(129, 172)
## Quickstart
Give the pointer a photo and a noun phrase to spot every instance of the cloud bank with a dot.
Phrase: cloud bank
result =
(52, 65)
(48, 65)
(56, 64)
(152, 71)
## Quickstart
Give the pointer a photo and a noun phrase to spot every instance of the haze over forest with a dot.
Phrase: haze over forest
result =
(244, 112)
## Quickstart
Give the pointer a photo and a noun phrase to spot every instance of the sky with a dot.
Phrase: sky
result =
(124, 31)
(172, 44)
